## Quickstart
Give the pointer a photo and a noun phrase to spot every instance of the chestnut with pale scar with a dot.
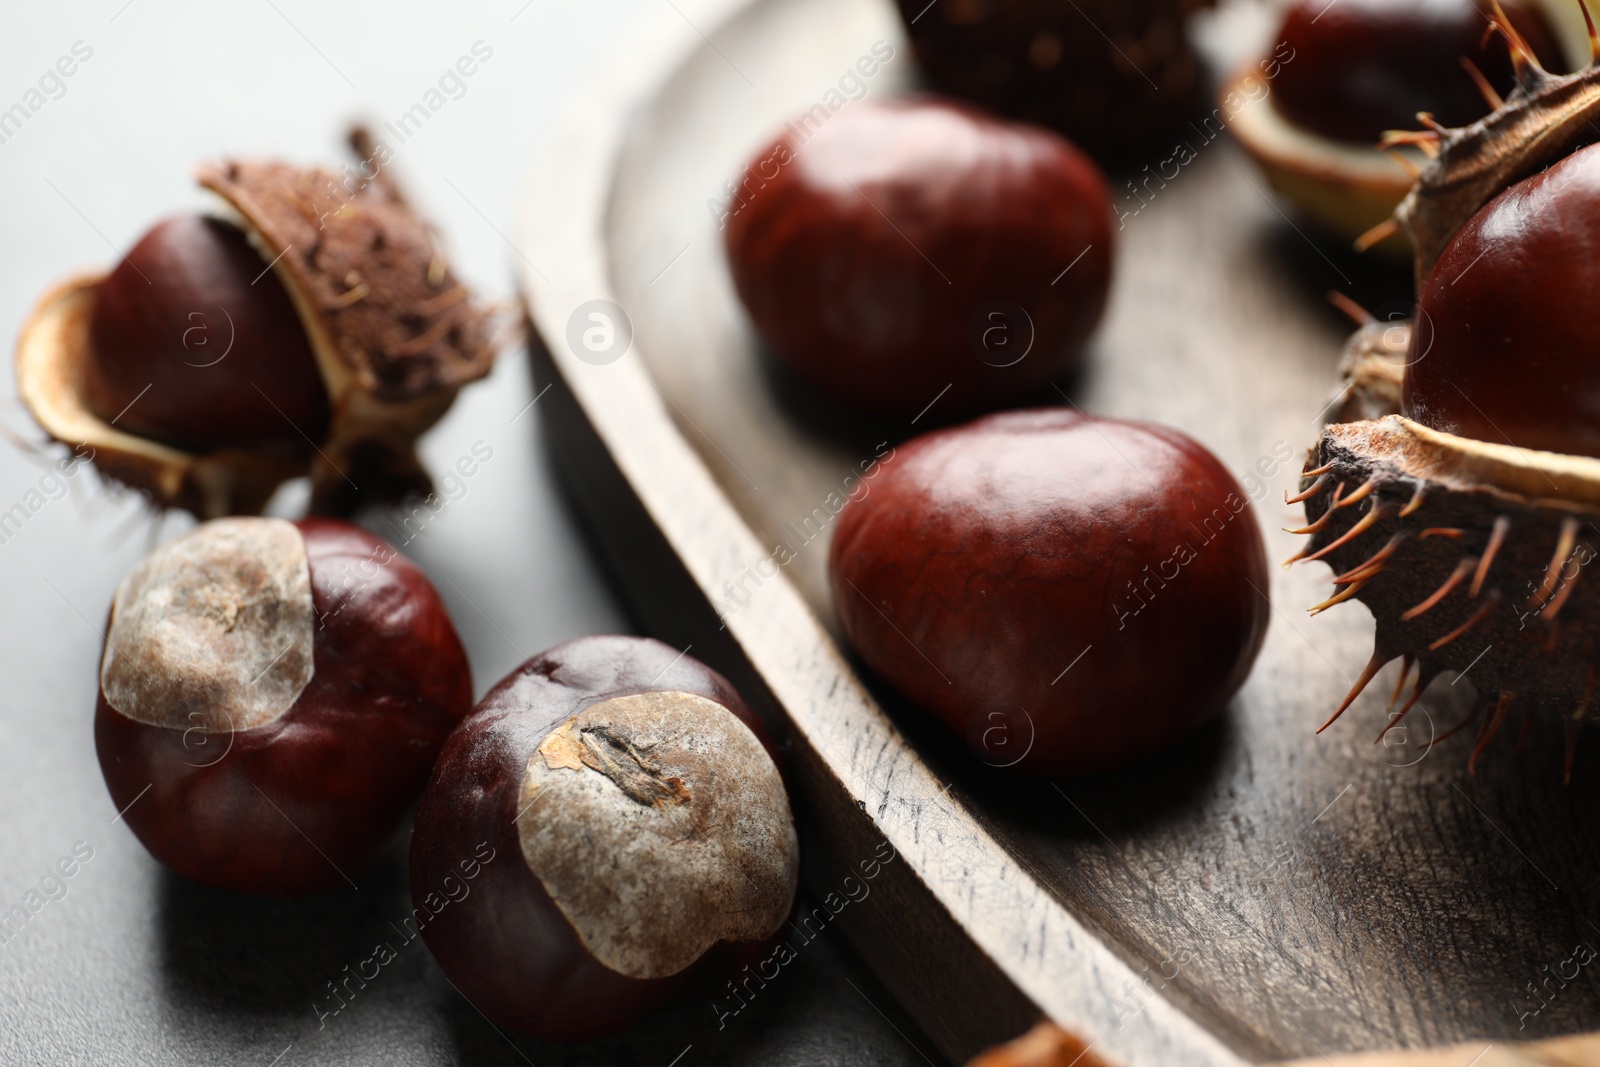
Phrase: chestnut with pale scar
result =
(214, 631)
(656, 837)
(682, 796)
(279, 754)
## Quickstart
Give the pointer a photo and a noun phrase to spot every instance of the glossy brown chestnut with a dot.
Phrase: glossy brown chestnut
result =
(1361, 67)
(636, 827)
(1505, 340)
(272, 696)
(1067, 594)
(899, 248)
(196, 344)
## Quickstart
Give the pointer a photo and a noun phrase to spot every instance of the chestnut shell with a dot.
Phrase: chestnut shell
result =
(1030, 561)
(312, 800)
(510, 951)
(869, 258)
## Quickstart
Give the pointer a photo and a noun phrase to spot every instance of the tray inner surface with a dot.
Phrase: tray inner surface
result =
(1298, 894)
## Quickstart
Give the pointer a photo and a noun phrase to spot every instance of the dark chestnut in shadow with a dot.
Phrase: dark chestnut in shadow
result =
(1068, 594)
(1119, 77)
(898, 248)
(619, 813)
(272, 696)
(1361, 67)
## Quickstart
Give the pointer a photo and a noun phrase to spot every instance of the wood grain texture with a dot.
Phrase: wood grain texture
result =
(1260, 892)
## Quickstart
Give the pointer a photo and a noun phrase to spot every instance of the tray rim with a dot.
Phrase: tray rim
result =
(1075, 986)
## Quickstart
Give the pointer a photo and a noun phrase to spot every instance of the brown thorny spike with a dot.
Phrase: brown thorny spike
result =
(1466, 552)
(1472, 578)
(1490, 95)
(1537, 124)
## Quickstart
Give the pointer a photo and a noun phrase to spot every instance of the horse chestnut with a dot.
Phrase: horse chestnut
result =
(634, 821)
(279, 690)
(901, 248)
(195, 343)
(1362, 67)
(1503, 346)
(318, 338)
(1464, 520)
(1069, 594)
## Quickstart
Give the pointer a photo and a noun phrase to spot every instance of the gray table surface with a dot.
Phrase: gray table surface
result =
(133, 965)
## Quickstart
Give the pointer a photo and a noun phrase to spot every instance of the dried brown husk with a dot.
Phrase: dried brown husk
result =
(1471, 555)
(394, 332)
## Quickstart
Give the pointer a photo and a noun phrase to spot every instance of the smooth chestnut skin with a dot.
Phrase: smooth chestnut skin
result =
(1506, 345)
(341, 767)
(161, 323)
(989, 557)
(1361, 67)
(867, 251)
(508, 948)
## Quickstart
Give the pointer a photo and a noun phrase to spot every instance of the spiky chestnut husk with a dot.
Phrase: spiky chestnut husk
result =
(1469, 554)
(1468, 557)
(1113, 92)
(1347, 188)
(395, 335)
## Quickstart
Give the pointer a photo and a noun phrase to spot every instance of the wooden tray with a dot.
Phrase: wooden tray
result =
(1259, 893)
